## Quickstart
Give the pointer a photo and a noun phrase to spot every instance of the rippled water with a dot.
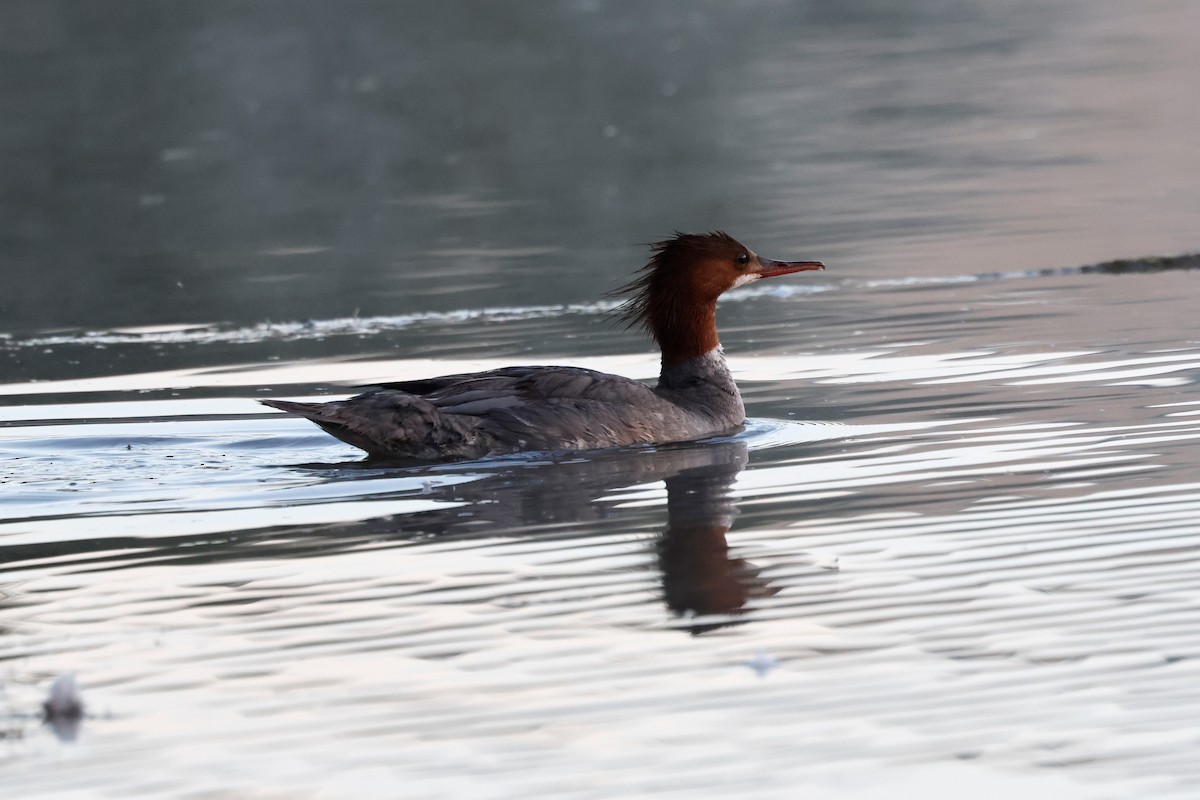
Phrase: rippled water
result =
(954, 553)
(956, 545)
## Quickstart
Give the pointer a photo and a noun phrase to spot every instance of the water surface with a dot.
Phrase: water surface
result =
(954, 551)
(965, 555)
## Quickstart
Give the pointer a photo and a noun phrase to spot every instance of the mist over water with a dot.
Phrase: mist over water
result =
(240, 162)
(953, 552)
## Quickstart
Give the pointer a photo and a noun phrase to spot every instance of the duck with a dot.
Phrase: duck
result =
(563, 408)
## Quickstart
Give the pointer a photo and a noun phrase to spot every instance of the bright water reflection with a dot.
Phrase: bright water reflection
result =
(959, 536)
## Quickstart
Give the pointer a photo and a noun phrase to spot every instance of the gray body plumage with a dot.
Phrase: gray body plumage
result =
(531, 408)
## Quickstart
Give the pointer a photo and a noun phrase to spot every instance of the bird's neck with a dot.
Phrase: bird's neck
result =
(684, 330)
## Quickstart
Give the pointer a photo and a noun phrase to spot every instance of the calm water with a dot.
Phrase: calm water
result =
(954, 553)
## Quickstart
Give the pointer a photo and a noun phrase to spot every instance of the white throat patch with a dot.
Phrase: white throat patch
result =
(749, 277)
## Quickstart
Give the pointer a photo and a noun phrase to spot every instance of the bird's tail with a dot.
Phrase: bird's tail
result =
(390, 424)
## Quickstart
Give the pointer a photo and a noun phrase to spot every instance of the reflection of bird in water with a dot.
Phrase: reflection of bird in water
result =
(699, 577)
(527, 409)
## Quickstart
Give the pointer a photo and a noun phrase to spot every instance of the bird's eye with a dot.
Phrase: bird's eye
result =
(743, 259)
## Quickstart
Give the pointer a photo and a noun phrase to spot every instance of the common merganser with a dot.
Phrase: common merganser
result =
(516, 409)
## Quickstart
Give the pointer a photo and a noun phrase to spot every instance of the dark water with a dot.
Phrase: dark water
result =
(954, 552)
(217, 161)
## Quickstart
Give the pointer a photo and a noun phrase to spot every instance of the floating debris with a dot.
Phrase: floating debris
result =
(63, 708)
(65, 701)
(763, 662)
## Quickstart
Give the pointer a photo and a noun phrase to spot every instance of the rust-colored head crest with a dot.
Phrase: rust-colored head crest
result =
(664, 271)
